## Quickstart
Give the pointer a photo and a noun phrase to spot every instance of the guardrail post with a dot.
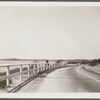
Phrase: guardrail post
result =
(45, 67)
(53, 66)
(42, 68)
(28, 70)
(48, 66)
(31, 67)
(61, 65)
(34, 71)
(58, 65)
(7, 73)
(20, 72)
(39, 68)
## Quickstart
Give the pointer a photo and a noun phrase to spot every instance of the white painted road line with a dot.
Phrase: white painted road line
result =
(87, 75)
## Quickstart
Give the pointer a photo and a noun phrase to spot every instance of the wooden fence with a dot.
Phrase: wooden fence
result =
(32, 70)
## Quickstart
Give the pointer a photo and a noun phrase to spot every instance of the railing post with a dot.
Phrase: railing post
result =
(48, 66)
(38, 70)
(42, 68)
(53, 66)
(37, 66)
(28, 70)
(20, 72)
(61, 65)
(45, 66)
(58, 65)
(34, 71)
(7, 73)
(31, 67)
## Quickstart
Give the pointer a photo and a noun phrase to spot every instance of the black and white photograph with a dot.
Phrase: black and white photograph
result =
(49, 48)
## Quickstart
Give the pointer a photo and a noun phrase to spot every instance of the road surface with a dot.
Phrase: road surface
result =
(64, 80)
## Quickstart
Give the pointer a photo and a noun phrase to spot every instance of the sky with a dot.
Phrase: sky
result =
(42, 32)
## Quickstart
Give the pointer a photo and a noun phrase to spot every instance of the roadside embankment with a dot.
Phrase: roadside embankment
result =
(95, 69)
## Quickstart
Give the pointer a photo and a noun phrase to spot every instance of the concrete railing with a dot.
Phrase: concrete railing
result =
(32, 70)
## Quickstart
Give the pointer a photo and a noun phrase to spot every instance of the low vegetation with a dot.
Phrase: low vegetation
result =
(94, 62)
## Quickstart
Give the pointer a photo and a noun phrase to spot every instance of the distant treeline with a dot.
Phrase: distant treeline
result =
(78, 61)
(93, 62)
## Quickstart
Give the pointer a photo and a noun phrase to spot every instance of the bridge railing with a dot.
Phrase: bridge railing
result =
(32, 70)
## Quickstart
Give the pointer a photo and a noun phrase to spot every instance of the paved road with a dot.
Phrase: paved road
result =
(69, 79)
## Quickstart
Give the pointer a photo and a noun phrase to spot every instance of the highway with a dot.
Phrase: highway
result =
(64, 80)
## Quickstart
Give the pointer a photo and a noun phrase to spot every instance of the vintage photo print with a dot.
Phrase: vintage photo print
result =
(50, 49)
